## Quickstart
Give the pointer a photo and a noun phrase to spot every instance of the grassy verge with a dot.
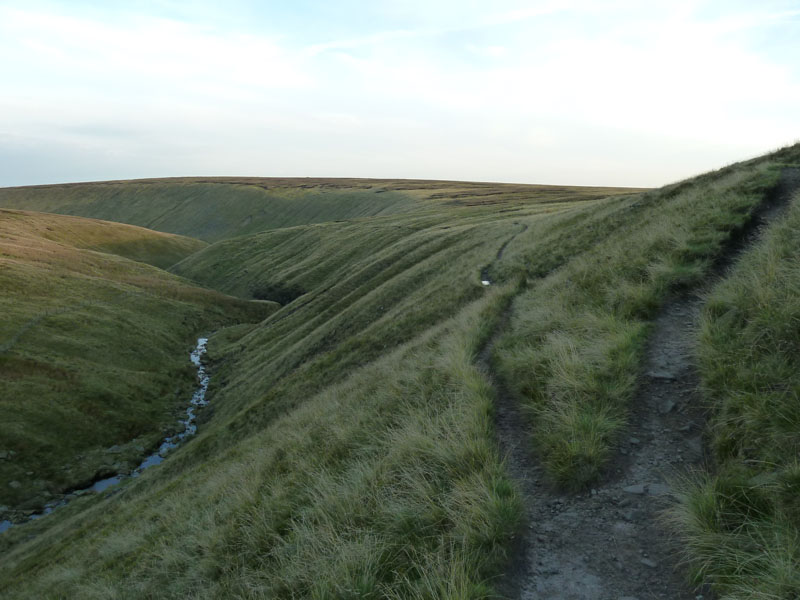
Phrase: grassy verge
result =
(573, 351)
(742, 524)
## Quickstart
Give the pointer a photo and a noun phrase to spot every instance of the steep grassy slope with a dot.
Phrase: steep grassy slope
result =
(350, 426)
(93, 347)
(742, 524)
(369, 286)
(351, 452)
(385, 485)
(216, 208)
(573, 350)
(135, 243)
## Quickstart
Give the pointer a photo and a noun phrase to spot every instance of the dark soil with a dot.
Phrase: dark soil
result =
(611, 543)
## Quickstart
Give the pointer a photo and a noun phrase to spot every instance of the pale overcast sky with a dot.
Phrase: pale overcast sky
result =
(583, 92)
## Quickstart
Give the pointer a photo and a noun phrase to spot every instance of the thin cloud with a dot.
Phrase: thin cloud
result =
(513, 92)
(368, 40)
(490, 20)
(147, 49)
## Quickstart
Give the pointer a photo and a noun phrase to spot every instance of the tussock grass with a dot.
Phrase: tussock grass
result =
(351, 453)
(573, 351)
(742, 524)
(388, 484)
(371, 286)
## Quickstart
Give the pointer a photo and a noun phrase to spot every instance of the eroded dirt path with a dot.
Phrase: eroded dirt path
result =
(610, 543)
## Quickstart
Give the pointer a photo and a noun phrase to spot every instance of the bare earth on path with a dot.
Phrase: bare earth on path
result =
(610, 543)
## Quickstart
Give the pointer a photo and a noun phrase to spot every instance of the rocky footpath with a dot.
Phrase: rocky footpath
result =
(611, 543)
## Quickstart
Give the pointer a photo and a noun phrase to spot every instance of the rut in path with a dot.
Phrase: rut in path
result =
(610, 543)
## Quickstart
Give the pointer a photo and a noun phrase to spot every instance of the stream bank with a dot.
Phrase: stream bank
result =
(187, 428)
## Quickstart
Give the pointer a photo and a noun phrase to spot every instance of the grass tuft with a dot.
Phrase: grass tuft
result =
(574, 349)
(352, 451)
(741, 525)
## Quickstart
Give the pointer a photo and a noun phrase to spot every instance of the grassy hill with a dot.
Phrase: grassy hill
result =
(361, 387)
(212, 209)
(352, 451)
(93, 347)
(741, 523)
(136, 243)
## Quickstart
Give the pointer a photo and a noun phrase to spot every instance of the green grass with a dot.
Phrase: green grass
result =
(93, 348)
(741, 525)
(574, 348)
(387, 484)
(136, 243)
(351, 452)
(215, 208)
(370, 286)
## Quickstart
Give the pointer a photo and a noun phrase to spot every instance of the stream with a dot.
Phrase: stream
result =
(166, 446)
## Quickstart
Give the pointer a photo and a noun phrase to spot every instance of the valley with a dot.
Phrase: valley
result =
(417, 387)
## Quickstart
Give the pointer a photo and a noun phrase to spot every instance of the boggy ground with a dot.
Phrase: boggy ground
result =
(611, 542)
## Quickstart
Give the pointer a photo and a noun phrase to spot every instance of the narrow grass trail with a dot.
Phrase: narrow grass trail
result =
(486, 271)
(611, 543)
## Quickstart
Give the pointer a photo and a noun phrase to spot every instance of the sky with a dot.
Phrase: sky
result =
(576, 92)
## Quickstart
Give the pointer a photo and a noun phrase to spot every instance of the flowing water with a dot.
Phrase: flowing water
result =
(167, 445)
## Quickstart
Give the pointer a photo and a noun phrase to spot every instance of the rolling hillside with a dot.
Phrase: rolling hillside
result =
(92, 347)
(374, 435)
(135, 243)
(212, 209)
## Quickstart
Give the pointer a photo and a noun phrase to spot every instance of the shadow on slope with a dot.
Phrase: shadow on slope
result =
(92, 348)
